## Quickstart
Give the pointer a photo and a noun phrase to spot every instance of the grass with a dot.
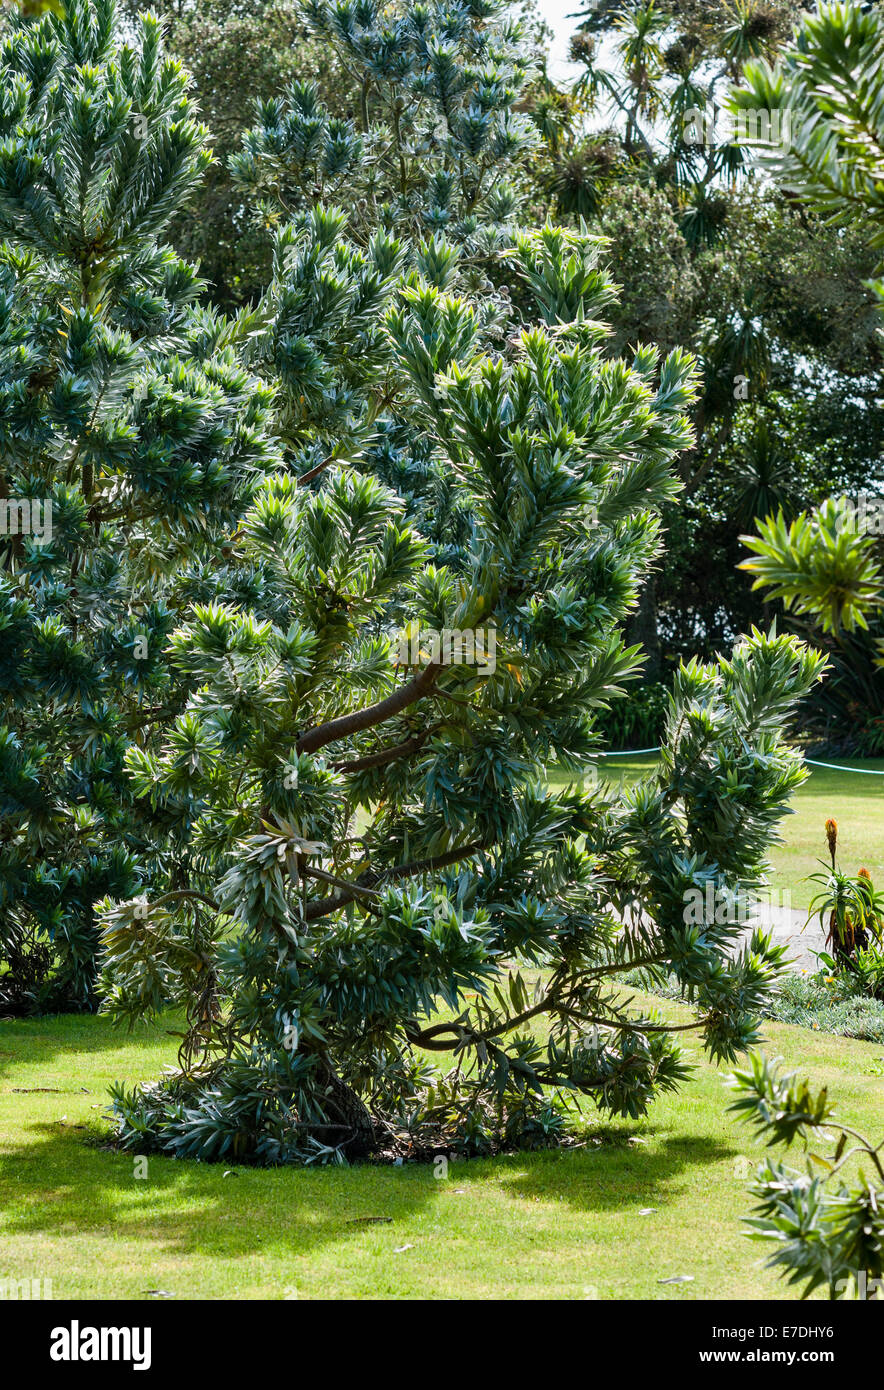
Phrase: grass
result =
(564, 1224)
(857, 803)
(547, 1225)
(855, 800)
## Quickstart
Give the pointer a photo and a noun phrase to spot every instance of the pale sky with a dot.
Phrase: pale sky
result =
(555, 13)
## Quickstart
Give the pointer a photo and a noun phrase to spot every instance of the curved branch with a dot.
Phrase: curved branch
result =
(177, 893)
(384, 755)
(355, 890)
(324, 906)
(367, 718)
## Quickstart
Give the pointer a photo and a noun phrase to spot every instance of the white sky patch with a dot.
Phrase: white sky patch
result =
(556, 13)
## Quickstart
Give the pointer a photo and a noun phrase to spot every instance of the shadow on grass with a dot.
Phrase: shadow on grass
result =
(612, 1177)
(25, 1041)
(59, 1186)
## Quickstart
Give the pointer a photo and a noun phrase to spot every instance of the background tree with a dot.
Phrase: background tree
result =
(830, 86)
(822, 567)
(773, 304)
(127, 422)
(427, 145)
(237, 54)
(255, 51)
(830, 83)
(433, 136)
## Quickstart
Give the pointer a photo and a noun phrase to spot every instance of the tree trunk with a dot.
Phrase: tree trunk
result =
(344, 1107)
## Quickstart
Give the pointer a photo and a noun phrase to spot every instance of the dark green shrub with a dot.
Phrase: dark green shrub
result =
(637, 721)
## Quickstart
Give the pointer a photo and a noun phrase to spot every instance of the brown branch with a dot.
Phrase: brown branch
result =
(354, 889)
(418, 866)
(185, 893)
(371, 715)
(385, 755)
(314, 472)
(148, 716)
(430, 1039)
(431, 1045)
(323, 906)
(436, 861)
(619, 966)
(627, 1026)
(552, 1002)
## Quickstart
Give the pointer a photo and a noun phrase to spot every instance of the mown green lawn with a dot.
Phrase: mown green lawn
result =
(857, 803)
(549, 1225)
(855, 800)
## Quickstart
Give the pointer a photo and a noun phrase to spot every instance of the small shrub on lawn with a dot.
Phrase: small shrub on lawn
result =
(637, 722)
(826, 1003)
